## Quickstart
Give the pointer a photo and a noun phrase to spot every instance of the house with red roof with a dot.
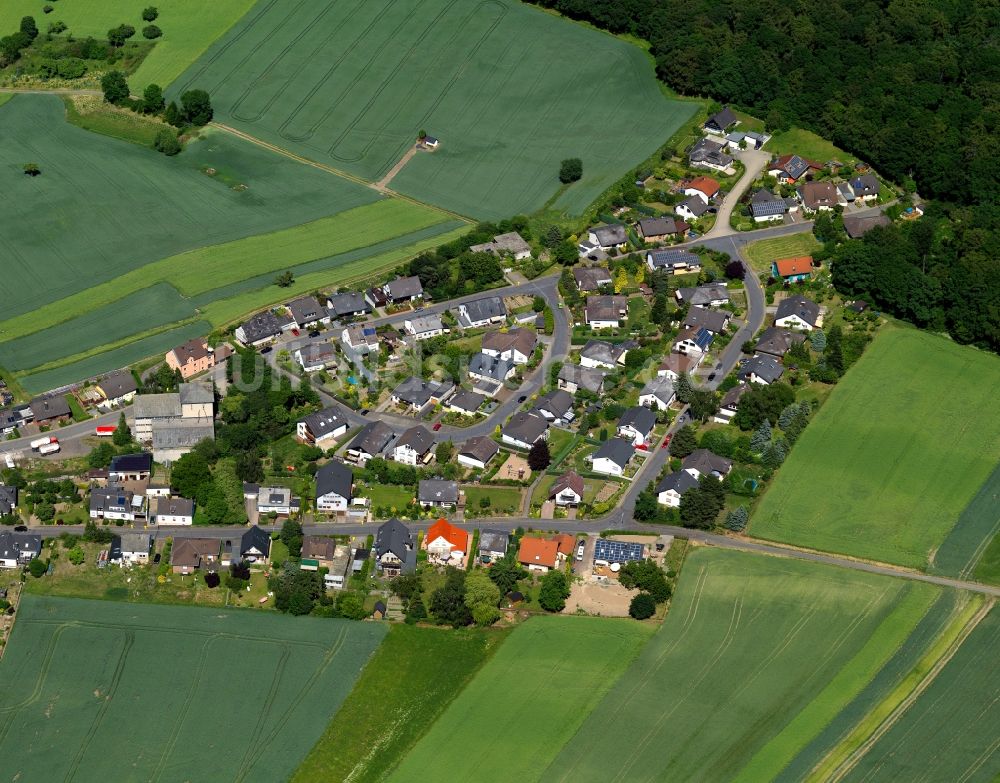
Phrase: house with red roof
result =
(704, 188)
(538, 554)
(445, 542)
(792, 270)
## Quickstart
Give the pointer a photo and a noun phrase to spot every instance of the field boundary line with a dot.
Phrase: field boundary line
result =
(955, 642)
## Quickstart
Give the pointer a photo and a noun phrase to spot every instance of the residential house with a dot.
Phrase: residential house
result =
(661, 229)
(818, 196)
(598, 353)
(349, 304)
(516, 345)
(18, 549)
(316, 356)
(636, 424)
(481, 312)
(360, 338)
(797, 312)
(721, 121)
(371, 441)
(50, 410)
(12, 418)
(538, 554)
(334, 488)
(340, 568)
(729, 404)
(493, 545)
(171, 511)
(259, 329)
(612, 457)
(490, 368)
(415, 393)
(321, 428)
(477, 452)
(857, 226)
(197, 400)
(466, 402)
(188, 555)
(395, 549)
(765, 206)
(154, 410)
(673, 486)
(693, 342)
(556, 406)
(751, 140)
(658, 393)
(676, 262)
(609, 237)
(131, 467)
(253, 546)
(403, 289)
(567, 490)
(131, 548)
(704, 188)
(714, 321)
(674, 364)
(424, 327)
(445, 542)
(565, 544)
(788, 169)
(591, 278)
(114, 502)
(605, 311)
(276, 500)
(704, 462)
(307, 311)
(414, 447)
(118, 388)
(865, 187)
(691, 208)
(573, 377)
(191, 358)
(524, 429)
(437, 493)
(708, 295)
(509, 244)
(775, 341)
(173, 423)
(709, 154)
(317, 552)
(762, 369)
(792, 270)
(8, 500)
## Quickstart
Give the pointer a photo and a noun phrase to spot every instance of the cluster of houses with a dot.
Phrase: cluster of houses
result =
(172, 423)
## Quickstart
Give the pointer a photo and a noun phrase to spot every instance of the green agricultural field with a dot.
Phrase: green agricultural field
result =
(526, 702)
(502, 85)
(235, 695)
(761, 253)
(900, 448)
(408, 683)
(757, 655)
(972, 548)
(189, 26)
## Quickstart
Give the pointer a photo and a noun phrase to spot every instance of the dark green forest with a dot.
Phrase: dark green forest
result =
(911, 86)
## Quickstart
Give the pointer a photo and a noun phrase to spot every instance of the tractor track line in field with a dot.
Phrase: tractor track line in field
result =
(928, 679)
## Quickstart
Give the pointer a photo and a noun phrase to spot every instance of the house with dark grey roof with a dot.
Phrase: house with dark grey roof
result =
(436, 493)
(729, 404)
(403, 289)
(8, 500)
(797, 312)
(132, 548)
(591, 278)
(605, 311)
(321, 428)
(715, 321)
(307, 311)
(173, 510)
(658, 393)
(424, 327)
(761, 369)
(395, 549)
(50, 409)
(492, 545)
(113, 502)
(556, 406)
(721, 121)
(636, 424)
(415, 392)
(573, 377)
(118, 388)
(673, 486)
(259, 329)
(788, 169)
(608, 237)
(765, 206)
(349, 304)
(334, 487)
(710, 154)
(414, 446)
(466, 402)
(692, 208)
(316, 356)
(751, 140)
(131, 467)
(253, 546)
(857, 226)
(660, 229)
(18, 549)
(360, 338)
(567, 490)
(775, 341)
(702, 461)
(677, 262)
(693, 341)
(865, 187)
(708, 295)
(490, 368)
(524, 429)
(372, 441)
(477, 452)
(481, 312)
(613, 457)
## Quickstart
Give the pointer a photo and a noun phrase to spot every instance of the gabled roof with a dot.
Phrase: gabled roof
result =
(492, 367)
(193, 350)
(558, 402)
(618, 450)
(418, 438)
(589, 378)
(680, 482)
(373, 438)
(196, 394)
(255, 540)
(525, 427)
(804, 308)
(458, 538)
(865, 185)
(306, 309)
(705, 461)
(799, 265)
(699, 336)
(859, 225)
(324, 422)
(136, 542)
(694, 205)
(591, 278)
(819, 194)
(606, 307)
(722, 119)
(421, 324)
(480, 448)
(493, 540)
(705, 185)
(568, 480)
(437, 491)
(523, 340)
(610, 235)
(605, 352)
(484, 309)
(416, 391)
(131, 463)
(319, 547)
(777, 341)
(173, 506)
(671, 258)
(393, 536)
(704, 294)
(8, 499)
(732, 397)
(538, 551)
(347, 303)
(50, 407)
(190, 552)
(157, 406)
(467, 400)
(511, 242)
(334, 477)
(793, 165)
(677, 363)
(660, 226)
(261, 326)
(404, 287)
(118, 384)
(765, 367)
(661, 388)
(701, 317)
(639, 418)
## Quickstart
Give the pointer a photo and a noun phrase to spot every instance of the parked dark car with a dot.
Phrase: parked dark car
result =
(314, 333)
(266, 349)
(522, 398)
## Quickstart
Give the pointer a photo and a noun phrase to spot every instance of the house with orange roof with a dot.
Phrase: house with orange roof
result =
(792, 270)
(446, 542)
(704, 188)
(565, 544)
(538, 554)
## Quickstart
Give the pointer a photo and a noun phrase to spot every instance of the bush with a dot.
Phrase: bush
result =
(642, 607)
(166, 141)
(47, 9)
(76, 555)
(71, 68)
(37, 568)
(212, 579)
(150, 13)
(570, 170)
(151, 32)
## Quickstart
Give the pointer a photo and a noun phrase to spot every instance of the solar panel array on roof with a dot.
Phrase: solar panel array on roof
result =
(617, 551)
(768, 208)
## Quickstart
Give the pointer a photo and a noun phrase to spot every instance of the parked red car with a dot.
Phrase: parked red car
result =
(437, 426)
(296, 332)
(666, 442)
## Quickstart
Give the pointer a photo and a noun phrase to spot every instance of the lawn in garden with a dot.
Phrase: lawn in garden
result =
(763, 252)
(502, 86)
(899, 450)
(236, 695)
(502, 500)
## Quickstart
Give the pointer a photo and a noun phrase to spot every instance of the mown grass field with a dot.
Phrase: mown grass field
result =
(526, 702)
(408, 683)
(502, 85)
(807, 144)
(763, 252)
(757, 655)
(902, 445)
(233, 694)
(189, 26)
